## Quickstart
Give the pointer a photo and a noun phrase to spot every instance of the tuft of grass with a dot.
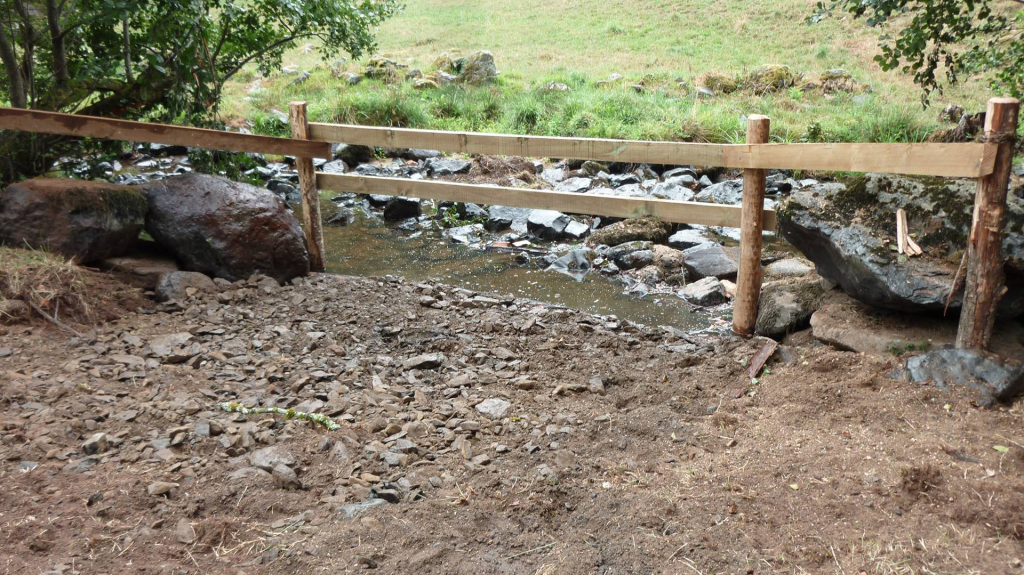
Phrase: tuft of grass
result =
(44, 281)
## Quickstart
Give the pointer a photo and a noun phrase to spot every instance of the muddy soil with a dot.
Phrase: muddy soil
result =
(539, 440)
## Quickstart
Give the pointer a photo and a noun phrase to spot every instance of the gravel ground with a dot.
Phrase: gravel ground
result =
(481, 434)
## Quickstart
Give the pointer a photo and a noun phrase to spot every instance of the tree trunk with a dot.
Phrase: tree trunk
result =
(125, 31)
(19, 97)
(60, 56)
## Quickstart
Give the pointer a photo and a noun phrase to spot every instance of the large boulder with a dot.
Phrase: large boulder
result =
(81, 220)
(225, 229)
(849, 232)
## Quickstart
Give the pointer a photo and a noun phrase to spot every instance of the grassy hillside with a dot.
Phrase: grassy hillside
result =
(579, 42)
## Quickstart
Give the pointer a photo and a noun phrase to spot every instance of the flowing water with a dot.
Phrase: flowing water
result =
(370, 247)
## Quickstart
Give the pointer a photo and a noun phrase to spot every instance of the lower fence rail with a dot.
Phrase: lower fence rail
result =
(587, 204)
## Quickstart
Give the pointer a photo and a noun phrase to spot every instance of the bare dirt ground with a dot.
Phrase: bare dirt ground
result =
(620, 449)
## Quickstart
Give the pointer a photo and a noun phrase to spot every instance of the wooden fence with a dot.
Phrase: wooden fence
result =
(989, 162)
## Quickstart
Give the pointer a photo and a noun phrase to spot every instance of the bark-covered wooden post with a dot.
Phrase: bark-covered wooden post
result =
(985, 277)
(748, 283)
(307, 185)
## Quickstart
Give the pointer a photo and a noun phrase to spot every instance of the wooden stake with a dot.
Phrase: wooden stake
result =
(307, 185)
(985, 276)
(748, 283)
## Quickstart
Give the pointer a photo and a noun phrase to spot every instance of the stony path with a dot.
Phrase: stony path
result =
(481, 434)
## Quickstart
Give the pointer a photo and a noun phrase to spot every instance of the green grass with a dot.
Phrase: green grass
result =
(578, 43)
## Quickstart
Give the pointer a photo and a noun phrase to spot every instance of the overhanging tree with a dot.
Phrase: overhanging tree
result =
(940, 42)
(156, 59)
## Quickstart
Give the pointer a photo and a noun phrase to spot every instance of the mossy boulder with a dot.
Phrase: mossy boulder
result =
(772, 78)
(80, 220)
(838, 80)
(849, 232)
(385, 69)
(636, 229)
(478, 68)
(718, 83)
(447, 62)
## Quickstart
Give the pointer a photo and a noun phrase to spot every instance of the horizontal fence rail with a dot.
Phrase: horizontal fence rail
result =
(107, 128)
(588, 204)
(950, 160)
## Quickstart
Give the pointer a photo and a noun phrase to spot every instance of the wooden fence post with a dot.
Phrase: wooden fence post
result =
(307, 185)
(985, 277)
(748, 283)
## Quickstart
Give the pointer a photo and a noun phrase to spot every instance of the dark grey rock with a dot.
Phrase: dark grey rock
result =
(400, 208)
(618, 180)
(467, 234)
(447, 166)
(334, 167)
(425, 361)
(706, 292)
(179, 285)
(685, 239)
(353, 154)
(574, 185)
(547, 224)
(677, 172)
(850, 233)
(162, 150)
(378, 200)
(575, 264)
(355, 509)
(342, 217)
(576, 230)
(709, 260)
(502, 218)
(269, 457)
(285, 191)
(630, 255)
(996, 378)
(552, 175)
(672, 191)
(373, 170)
(727, 192)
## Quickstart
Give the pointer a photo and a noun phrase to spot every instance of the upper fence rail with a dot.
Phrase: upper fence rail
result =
(108, 128)
(968, 160)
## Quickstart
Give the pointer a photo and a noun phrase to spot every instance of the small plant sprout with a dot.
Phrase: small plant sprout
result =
(317, 418)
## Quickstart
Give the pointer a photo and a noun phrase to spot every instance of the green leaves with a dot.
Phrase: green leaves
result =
(940, 41)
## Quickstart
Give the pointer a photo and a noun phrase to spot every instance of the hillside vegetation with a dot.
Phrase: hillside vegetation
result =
(667, 46)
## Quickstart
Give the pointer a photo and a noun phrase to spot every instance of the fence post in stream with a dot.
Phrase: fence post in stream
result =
(985, 284)
(748, 283)
(307, 185)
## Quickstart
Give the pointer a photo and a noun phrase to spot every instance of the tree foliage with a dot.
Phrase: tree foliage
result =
(160, 59)
(940, 42)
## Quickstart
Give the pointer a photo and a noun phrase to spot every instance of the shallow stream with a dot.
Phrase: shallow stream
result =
(370, 247)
